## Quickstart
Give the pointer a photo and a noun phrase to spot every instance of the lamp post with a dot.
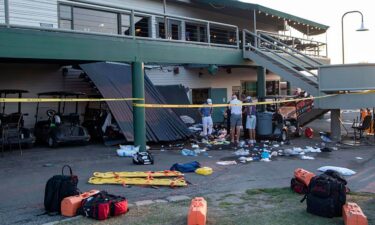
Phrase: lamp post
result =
(362, 28)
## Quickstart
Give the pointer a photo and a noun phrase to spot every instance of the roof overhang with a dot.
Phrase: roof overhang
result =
(303, 25)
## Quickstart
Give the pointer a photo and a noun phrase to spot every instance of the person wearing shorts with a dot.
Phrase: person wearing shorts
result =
(235, 119)
(206, 113)
(251, 120)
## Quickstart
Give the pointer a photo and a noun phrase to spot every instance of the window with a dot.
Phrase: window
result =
(160, 28)
(142, 26)
(125, 24)
(95, 21)
(174, 29)
(200, 95)
(196, 32)
(65, 17)
(221, 35)
(249, 88)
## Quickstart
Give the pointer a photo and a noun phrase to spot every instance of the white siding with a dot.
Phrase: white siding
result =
(38, 78)
(190, 77)
(33, 12)
(2, 14)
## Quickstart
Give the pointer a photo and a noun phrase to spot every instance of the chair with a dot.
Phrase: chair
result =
(11, 130)
(360, 127)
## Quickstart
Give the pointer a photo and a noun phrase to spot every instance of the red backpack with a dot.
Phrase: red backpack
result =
(103, 205)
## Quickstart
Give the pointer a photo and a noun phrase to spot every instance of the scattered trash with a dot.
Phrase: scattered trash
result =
(242, 152)
(359, 158)
(276, 145)
(326, 149)
(311, 149)
(127, 150)
(204, 171)
(265, 155)
(226, 163)
(309, 132)
(195, 146)
(341, 170)
(162, 148)
(325, 138)
(305, 157)
(265, 160)
(335, 148)
(48, 165)
(245, 159)
(187, 152)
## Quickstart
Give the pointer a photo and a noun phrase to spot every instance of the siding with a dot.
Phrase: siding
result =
(39, 78)
(190, 78)
(35, 12)
(2, 14)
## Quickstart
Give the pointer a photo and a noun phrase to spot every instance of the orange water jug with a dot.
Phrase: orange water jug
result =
(197, 212)
(353, 215)
(70, 205)
(303, 176)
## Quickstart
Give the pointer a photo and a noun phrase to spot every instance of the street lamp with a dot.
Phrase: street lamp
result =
(362, 28)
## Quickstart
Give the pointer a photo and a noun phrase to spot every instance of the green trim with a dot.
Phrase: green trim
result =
(249, 6)
(57, 45)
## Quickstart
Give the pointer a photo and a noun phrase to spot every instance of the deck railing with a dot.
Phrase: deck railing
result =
(306, 46)
(101, 19)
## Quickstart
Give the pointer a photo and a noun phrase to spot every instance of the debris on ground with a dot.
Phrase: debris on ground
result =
(204, 171)
(127, 150)
(186, 168)
(343, 171)
(226, 163)
(304, 157)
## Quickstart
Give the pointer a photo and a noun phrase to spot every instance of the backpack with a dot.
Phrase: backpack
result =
(59, 187)
(326, 195)
(143, 158)
(186, 168)
(297, 186)
(101, 206)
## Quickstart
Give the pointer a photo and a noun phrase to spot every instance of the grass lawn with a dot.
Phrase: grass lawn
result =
(258, 206)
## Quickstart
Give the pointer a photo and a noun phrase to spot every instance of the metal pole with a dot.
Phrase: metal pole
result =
(255, 28)
(208, 34)
(139, 118)
(6, 12)
(132, 24)
(165, 19)
(261, 84)
(342, 32)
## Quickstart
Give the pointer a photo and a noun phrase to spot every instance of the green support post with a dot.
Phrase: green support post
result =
(261, 84)
(139, 118)
(288, 88)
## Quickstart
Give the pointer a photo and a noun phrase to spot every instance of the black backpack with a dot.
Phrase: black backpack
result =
(59, 187)
(326, 195)
(143, 158)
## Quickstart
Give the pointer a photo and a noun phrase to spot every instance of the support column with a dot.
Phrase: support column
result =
(288, 88)
(139, 118)
(6, 12)
(261, 84)
(336, 124)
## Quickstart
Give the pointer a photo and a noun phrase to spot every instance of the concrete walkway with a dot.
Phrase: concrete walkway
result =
(24, 177)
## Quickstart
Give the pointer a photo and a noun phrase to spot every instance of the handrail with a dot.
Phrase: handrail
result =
(282, 35)
(294, 56)
(291, 68)
(294, 50)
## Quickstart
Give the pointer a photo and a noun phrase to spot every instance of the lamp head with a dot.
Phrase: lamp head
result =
(362, 28)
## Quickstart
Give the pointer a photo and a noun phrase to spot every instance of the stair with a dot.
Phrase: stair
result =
(310, 116)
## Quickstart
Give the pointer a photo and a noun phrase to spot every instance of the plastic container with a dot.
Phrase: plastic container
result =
(204, 171)
(303, 176)
(353, 215)
(197, 212)
(70, 205)
(264, 123)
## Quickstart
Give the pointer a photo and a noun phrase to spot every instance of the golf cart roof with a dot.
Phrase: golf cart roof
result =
(60, 93)
(279, 96)
(13, 91)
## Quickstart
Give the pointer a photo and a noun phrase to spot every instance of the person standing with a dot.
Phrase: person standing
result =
(235, 118)
(206, 113)
(251, 119)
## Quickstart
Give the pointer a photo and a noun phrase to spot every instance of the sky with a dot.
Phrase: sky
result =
(359, 46)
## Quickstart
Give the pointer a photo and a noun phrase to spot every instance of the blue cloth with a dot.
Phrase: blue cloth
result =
(206, 111)
(186, 168)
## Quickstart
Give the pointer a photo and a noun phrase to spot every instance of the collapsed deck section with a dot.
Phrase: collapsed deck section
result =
(114, 80)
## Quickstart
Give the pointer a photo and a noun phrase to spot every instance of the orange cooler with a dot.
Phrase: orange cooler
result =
(197, 212)
(303, 176)
(353, 215)
(70, 205)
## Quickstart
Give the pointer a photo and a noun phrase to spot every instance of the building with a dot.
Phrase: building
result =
(213, 47)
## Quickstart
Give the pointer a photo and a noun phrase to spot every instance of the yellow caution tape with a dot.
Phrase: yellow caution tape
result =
(226, 105)
(138, 174)
(179, 182)
(33, 100)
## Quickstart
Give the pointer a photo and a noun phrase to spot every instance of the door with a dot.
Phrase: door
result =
(218, 96)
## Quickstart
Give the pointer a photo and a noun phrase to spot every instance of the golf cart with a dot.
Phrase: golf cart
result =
(100, 123)
(274, 124)
(60, 127)
(12, 130)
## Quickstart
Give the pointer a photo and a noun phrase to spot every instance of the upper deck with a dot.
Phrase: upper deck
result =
(93, 31)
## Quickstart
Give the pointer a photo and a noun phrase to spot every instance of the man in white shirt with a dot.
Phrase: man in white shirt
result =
(235, 118)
